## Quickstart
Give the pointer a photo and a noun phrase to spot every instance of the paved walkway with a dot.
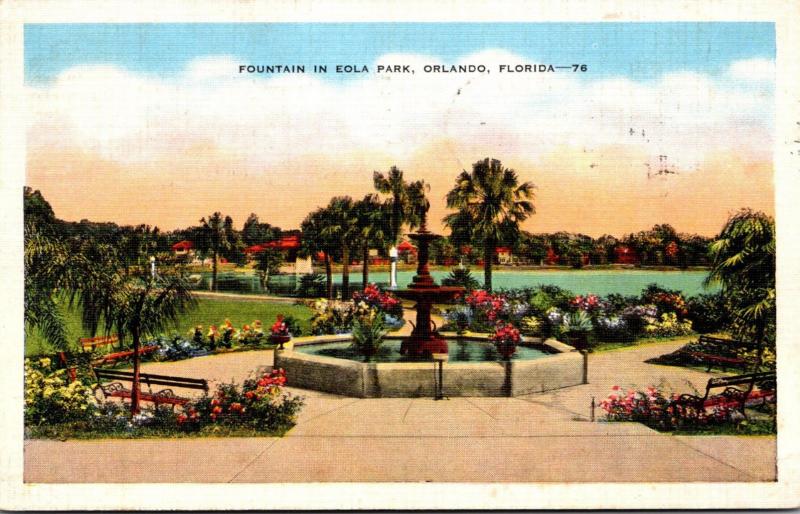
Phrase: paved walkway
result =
(536, 438)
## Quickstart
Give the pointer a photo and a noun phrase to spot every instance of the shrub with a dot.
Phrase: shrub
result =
(530, 325)
(461, 277)
(251, 334)
(544, 298)
(228, 333)
(665, 300)
(589, 303)
(639, 316)
(114, 418)
(617, 302)
(294, 325)
(578, 321)
(487, 309)
(50, 397)
(259, 404)
(173, 348)
(458, 317)
(311, 285)
(368, 333)
(384, 302)
(668, 326)
(612, 328)
(707, 312)
(554, 322)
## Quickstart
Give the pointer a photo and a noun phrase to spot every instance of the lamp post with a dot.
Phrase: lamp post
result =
(152, 267)
(438, 369)
(393, 272)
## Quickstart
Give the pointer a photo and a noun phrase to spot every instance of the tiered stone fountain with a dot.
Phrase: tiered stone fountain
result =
(425, 341)
(406, 370)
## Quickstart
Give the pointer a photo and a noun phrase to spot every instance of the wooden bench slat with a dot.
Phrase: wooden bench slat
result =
(740, 379)
(152, 378)
(150, 397)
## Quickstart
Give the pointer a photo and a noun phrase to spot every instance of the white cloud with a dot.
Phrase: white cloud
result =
(131, 118)
(755, 70)
(211, 67)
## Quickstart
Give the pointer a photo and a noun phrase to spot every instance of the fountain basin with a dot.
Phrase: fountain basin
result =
(540, 366)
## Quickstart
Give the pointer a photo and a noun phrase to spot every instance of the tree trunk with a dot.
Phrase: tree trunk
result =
(328, 276)
(760, 328)
(214, 273)
(345, 273)
(488, 253)
(365, 268)
(135, 386)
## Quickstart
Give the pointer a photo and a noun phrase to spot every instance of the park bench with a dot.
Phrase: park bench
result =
(711, 359)
(721, 341)
(115, 388)
(725, 346)
(733, 396)
(112, 358)
(91, 343)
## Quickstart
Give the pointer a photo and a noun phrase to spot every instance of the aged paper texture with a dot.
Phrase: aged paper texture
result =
(369, 255)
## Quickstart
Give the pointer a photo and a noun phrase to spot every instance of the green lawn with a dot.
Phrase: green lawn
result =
(208, 312)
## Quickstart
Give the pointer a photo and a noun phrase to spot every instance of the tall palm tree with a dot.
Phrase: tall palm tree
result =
(492, 203)
(373, 227)
(215, 239)
(343, 227)
(743, 263)
(51, 268)
(315, 240)
(132, 305)
(405, 199)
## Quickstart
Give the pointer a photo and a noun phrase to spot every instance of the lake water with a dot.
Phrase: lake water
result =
(600, 282)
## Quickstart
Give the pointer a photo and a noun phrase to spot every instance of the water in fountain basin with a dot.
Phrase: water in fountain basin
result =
(459, 351)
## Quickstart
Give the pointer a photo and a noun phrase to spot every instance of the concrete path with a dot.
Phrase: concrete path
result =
(536, 438)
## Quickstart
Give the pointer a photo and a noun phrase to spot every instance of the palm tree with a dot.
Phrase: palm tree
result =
(343, 227)
(743, 263)
(132, 305)
(215, 239)
(50, 269)
(492, 203)
(373, 226)
(315, 240)
(405, 201)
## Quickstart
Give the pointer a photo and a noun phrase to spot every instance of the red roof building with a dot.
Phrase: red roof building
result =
(290, 242)
(183, 248)
(405, 246)
(624, 254)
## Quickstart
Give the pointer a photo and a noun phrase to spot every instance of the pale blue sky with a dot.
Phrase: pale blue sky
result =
(640, 51)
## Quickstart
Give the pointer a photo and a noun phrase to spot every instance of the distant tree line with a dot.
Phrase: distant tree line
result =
(488, 204)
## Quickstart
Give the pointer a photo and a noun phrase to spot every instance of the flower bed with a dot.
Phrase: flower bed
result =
(549, 311)
(55, 409)
(338, 317)
(660, 411)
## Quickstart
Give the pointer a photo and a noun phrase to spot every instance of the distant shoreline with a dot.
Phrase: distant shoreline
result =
(355, 269)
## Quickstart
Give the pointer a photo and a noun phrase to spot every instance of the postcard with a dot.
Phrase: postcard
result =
(322, 256)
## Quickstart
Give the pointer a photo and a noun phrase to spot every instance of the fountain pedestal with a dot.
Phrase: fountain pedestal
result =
(425, 340)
